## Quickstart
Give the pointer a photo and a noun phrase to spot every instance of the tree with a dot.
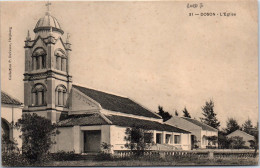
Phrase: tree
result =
(232, 125)
(8, 145)
(176, 113)
(255, 143)
(186, 113)
(165, 115)
(37, 134)
(237, 142)
(138, 139)
(223, 141)
(247, 126)
(209, 115)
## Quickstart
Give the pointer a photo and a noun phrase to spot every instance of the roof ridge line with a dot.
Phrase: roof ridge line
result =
(106, 92)
(201, 123)
(93, 100)
(145, 108)
(175, 126)
(242, 132)
(105, 118)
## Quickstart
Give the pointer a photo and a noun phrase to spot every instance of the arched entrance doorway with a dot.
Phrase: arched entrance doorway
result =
(6, 129)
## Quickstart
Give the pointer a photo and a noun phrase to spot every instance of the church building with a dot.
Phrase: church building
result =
(86, 117)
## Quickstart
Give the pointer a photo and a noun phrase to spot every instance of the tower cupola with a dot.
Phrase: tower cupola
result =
(48, 25)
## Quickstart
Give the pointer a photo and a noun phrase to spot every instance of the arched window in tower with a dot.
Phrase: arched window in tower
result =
(58, 63)
(61, 60)
(38, 59)
(60, 94)
(38, 95)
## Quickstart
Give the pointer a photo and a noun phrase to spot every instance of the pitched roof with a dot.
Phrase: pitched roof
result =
(145, 124)
(7, 99)
(200, 124)
(98, 119)
(83, 120)
(239, 131)
(116, 103)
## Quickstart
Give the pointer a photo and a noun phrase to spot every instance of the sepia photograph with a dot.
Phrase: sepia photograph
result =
(129, 83)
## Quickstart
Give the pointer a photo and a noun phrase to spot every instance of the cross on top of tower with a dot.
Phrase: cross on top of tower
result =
(48, 6)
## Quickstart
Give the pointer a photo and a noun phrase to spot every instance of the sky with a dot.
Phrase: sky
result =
(152, 52)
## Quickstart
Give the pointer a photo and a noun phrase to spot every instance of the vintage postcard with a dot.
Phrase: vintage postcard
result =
(129, 83)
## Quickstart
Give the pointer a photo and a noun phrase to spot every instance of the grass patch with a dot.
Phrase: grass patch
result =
(157, 162)
(70, 159)
(202, 162)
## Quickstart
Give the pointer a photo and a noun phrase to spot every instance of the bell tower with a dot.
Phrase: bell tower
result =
(47, 79)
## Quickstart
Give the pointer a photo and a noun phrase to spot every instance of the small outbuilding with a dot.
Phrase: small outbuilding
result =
(246, 137)
(202, 135)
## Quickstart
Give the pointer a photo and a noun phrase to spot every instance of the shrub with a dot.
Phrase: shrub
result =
(64, 156)
(106, 147)
(104, 156)
(13, 159)
(237, 142)
(138, 139)
(8, 145)
(37, 134)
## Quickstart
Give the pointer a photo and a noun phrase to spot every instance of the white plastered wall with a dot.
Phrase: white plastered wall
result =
(71, 138)
(204, 143)
(13, 114)
(64, 140)
(117, 134)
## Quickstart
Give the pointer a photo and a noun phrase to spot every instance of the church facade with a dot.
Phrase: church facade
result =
(86, 117)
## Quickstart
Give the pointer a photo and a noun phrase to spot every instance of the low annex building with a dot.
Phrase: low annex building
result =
(200, 132)
(86, 117)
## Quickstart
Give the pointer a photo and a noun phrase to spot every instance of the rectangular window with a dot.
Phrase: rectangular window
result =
(43, 62)
(39, 98)
(33, 99)
(36, 98)
(43, 98)
(33, 63)
(158, 138)
(63, 64)
(57, 63)
(57, 98)
(37, 63)
(177, 139)
(64, 98)
(60, 98)
(168, 138)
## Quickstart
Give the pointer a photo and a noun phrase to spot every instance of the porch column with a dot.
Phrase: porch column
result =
(163, 137)
(76, 139)
(182, 140)
(154, 136)
(173, 139)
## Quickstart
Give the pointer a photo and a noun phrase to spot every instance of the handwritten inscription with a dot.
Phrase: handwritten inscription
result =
(195, 5)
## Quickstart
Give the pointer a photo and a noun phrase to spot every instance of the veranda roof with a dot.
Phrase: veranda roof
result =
(7, 99)
(100, 119)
